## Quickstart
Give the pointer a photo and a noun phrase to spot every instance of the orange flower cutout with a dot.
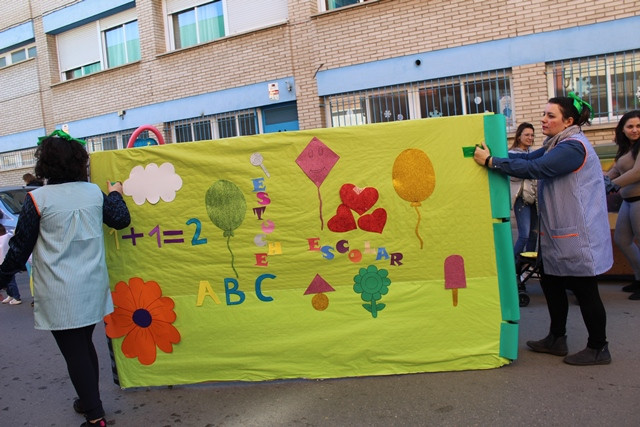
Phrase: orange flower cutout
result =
(144, 317)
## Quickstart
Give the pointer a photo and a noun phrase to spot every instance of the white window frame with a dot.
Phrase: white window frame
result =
(344, 116)
(214, 122)
(239, 16)
(27, 49)
(124, 32)
(612, 113)
(86, 45)
(323, 5)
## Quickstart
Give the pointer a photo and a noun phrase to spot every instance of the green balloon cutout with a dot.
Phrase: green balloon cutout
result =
(226, 207)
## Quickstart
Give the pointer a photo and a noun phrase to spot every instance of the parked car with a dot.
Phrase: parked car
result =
(11, 199)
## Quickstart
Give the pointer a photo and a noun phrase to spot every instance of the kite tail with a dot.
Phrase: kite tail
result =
(321, 220)
(232, 258)
(418, 225)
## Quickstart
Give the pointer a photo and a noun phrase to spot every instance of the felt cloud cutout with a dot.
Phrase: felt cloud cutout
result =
(152, 183)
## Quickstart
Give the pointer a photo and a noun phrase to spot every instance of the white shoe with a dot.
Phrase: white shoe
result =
(15, 302)
(7, 300)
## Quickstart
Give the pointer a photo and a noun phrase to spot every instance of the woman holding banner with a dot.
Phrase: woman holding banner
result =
(575, 241)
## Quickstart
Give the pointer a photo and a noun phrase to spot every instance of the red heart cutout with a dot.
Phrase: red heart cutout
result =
(342, 221)
(374, 222)
(358, 199)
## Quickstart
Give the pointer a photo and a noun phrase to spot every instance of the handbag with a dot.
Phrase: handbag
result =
(528, 191)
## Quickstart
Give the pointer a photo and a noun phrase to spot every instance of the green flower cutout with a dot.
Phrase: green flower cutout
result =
(372, 283)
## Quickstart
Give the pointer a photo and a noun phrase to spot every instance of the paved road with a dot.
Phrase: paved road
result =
(537, 389)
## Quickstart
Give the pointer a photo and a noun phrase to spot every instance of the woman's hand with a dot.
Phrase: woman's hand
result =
(114, 186)
(481, 154)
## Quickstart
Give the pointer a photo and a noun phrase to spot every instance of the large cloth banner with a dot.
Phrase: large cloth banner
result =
(367, 250)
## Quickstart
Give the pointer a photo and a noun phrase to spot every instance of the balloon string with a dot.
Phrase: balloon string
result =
(418, 225)
(321, 219)
(232, 257)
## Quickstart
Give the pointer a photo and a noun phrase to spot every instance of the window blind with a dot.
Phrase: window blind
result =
(78, 47)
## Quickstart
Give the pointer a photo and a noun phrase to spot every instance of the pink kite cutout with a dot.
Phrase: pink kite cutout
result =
(316, 161)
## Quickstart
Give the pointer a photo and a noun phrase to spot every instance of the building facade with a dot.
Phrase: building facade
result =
(204, 70)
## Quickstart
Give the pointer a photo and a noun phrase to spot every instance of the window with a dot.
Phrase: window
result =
(198, 25)
(192, 22)
(18, 55)
(217, 126)
(82, 71)
(388, 107)
(609, 83)
(183, 133)
(442, 100)
(98, 45)
(202, 130)
(122, 44)
(125, 137)
(112, 141)
(334, 4)
(11, 160)
(450, 96)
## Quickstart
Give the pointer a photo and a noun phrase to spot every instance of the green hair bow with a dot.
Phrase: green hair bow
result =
(62, 134)
(579, 103)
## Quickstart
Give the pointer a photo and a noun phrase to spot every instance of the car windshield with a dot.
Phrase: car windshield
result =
(13, 199)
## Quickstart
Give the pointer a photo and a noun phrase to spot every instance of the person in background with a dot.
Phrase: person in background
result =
(61, 226)
(29, 179)
(575, 241)
(13, 293)
(523, 196)
(624, 176)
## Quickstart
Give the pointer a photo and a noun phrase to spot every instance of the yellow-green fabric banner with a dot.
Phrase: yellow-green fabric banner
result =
(366, 250)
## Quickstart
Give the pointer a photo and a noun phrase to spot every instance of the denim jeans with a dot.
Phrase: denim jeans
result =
(527, 222)
(12, 288)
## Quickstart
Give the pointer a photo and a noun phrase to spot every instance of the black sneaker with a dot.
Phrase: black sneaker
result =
(632, 287)
(100, 423)
(590, 356)
(550, 344)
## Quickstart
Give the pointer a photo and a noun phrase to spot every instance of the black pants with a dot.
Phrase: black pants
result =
(78, 351)
(586, 291)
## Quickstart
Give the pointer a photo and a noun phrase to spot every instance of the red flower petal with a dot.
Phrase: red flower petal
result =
(139, 343)
(162, 309)
(119, 323)
(152, 292)
(122, 297)
(165, 335)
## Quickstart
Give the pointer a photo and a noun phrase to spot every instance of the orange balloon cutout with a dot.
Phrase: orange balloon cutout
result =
(413, 179)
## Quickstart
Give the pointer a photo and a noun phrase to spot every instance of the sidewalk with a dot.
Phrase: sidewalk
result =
(537, 389)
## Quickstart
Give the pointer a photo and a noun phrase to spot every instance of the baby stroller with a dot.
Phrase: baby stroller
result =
(528, 265)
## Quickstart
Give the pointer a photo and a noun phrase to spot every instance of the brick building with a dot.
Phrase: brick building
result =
(203, 70)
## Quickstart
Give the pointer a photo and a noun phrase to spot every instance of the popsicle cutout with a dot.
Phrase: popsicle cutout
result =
(454, 276)
(256, 159)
